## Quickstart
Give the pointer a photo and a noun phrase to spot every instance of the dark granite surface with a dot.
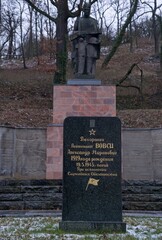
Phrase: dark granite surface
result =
(92, 169)
(80, 82)
(80, 226)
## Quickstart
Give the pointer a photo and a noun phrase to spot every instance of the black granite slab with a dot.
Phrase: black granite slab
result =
(92, 173)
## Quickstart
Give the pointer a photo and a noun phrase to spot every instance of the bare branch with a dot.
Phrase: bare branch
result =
(77, 12)
(119, 83)
(73, 5)
(92, 1)
(155, 5)
(40, 11)
(146, 3)
(55, 3)
(3, 44)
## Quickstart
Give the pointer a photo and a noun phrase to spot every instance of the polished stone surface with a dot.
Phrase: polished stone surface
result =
(80, 226)
(92, 171)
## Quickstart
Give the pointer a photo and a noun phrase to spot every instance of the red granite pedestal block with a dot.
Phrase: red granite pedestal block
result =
(68, 101)
(54, 161)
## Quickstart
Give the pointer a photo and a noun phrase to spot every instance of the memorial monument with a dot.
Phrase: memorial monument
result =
(84, 95)
(86, 44)
(92, 140)
(92, 175)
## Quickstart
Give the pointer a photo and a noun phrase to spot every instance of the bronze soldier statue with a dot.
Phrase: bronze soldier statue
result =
(86, 44)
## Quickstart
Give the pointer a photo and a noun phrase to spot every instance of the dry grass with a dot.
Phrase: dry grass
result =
(122, 61)
(26, 95)
(47, 228)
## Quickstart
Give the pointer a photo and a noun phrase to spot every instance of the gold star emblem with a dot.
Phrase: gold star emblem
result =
(92, 132)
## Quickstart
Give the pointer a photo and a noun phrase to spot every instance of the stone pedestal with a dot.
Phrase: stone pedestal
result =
(74, 100)
(83, 226)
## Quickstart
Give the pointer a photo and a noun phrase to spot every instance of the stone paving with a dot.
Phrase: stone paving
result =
(48, 213)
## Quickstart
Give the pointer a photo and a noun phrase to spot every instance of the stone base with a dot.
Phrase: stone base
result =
(84, 82)
(84, 76)
(75, 100)
(79, 226)
(54, 159)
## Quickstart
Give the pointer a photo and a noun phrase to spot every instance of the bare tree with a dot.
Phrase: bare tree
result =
(65, 10)
(119, 7)
(121, 33)
(0, 22)
(30, 50)
(131, 32)
(10, 24)
(21, 10)
(100, 11)
(50, 31)
(159, 17)
(0, 11)
(153, 8)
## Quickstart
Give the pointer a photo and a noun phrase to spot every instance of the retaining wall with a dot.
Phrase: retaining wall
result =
(142, 154)
(47, 195)
(22, 170)
(23, 153)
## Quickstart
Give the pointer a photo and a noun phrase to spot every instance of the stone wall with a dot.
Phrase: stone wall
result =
(142, 154)
(23, 153)
(142, 195)
(30, 195)
(47, 195)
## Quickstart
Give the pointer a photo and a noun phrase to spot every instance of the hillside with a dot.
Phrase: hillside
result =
(26, 95)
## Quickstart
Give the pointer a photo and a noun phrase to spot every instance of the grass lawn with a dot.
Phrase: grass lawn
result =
(12, 228)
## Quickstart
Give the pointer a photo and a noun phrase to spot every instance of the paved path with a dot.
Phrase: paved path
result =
(50, 213)
(142, 213)
(30, 213)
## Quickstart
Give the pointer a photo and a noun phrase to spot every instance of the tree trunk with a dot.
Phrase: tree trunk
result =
(154, 26)
(131, 32)
(160, 26)
(50, 33)
(156, 44)
(36, 37)
(0, 22)
(30, 51)
(63, 13)
(21, 35)
(10, 46)
(61, 43)
(41, 36)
